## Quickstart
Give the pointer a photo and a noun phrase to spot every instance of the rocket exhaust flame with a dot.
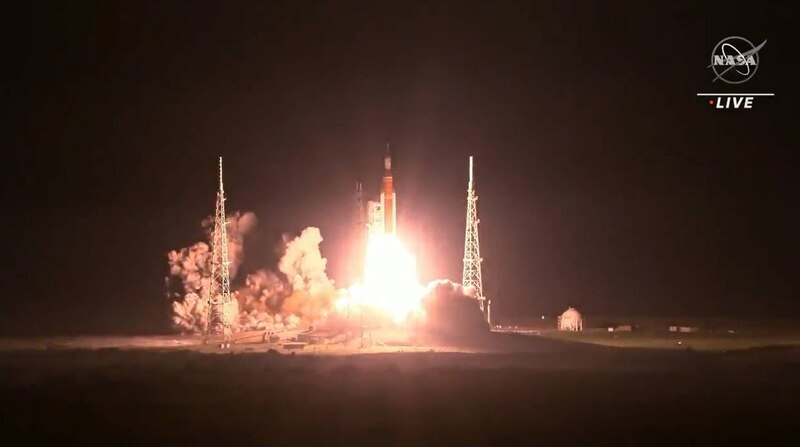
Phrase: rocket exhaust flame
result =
(390, 284)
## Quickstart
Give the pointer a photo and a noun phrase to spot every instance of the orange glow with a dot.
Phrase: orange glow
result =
(390, 279)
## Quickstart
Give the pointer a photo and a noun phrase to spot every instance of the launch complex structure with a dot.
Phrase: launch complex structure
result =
(219, 311)
(471, 277)
(376, 217)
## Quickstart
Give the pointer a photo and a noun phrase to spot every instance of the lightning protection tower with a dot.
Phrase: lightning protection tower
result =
(359, 234)
(219, 293)
(472, 250)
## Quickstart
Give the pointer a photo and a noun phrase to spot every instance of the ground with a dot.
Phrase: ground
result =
(665, 340)
(494, 390)
(712, 334)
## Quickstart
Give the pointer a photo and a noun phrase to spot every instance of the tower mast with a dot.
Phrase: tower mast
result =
(219, 294)
(472, 251)
(359, 234)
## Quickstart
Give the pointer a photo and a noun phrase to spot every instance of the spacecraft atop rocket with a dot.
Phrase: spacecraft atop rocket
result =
(388, 196)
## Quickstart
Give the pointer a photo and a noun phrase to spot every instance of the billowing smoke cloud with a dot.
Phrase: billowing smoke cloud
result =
(192, 266)
(304, 267)
(300, 292)
(264, 291)
(190, 315)
(452, 311)
(239, 225)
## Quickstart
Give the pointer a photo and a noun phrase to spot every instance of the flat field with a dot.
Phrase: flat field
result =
(718, 334)
(703, 341)
(500, 389)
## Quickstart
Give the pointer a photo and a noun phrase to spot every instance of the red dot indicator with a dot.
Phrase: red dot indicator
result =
(711, 101)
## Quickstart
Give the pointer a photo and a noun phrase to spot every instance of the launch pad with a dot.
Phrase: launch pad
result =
(383, 285)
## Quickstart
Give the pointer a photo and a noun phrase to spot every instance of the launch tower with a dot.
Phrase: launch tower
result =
(472, 250)
(219, 291)
(359, 234)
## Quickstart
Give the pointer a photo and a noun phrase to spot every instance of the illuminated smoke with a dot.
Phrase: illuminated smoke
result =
(451, 310)
(189, 315)
(239, 225)
(192, 266)
(302, 263)
(301, 292)
(264, 291)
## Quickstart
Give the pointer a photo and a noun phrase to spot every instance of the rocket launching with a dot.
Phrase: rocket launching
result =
(381, 215)
(388, 197)
(389, 284)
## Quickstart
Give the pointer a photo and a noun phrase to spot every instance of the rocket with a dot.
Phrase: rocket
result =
(388, 197)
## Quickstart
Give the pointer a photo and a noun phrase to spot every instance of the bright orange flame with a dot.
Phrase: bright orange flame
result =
(390, 279)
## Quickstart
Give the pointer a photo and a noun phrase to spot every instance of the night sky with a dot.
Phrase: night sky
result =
(604, 182)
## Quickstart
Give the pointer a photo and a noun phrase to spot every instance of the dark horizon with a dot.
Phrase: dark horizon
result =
(604, 182)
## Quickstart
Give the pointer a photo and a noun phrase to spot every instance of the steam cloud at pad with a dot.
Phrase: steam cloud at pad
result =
(297, 293)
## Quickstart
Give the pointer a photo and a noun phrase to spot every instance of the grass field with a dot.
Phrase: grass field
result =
(667, 340)
(712, 334)
(538, 391)
(494, 390)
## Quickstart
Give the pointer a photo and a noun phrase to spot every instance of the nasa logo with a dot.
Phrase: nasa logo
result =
(735, 59)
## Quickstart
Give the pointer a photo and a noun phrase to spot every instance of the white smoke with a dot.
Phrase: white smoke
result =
(239, 225)
(264, 290)
(190, 315)
(301, 292)
(302, 263)
(192, 266)
(451, 310)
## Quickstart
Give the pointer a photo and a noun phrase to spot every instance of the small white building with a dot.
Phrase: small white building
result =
(570, 320)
